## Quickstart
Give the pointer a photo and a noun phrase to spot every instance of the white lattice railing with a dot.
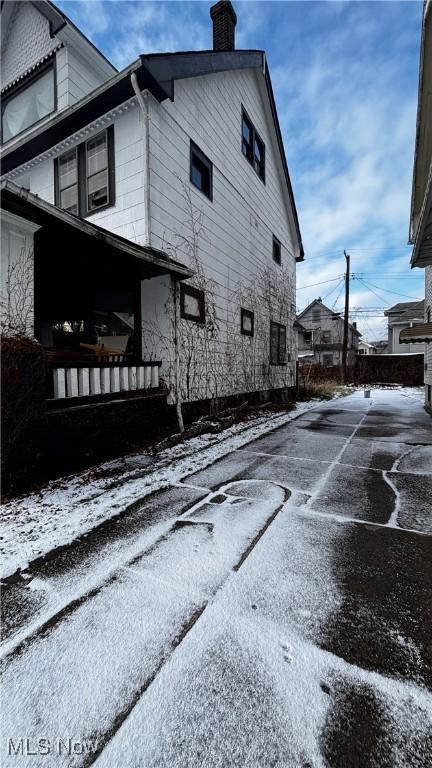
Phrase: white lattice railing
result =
(103, 379)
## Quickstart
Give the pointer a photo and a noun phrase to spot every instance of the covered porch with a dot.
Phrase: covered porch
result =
(87, 301)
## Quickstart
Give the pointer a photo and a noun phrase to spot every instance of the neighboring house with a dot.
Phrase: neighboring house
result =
(365, 348)
(381, 346)
(402, 316)
(321, 332)
(421, 200)
(151, 211)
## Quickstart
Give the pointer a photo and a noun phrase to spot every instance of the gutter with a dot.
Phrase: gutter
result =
(144, 106)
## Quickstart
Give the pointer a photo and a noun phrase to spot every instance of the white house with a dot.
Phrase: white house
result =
(320, 332)
(421, 200)
(401, 317)
(365, 348)
(154, 207)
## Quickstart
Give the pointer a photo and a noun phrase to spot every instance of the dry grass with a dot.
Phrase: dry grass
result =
(322, 390)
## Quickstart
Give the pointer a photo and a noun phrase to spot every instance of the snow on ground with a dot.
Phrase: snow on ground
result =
(35, 524)
(250, 684)
(59, 687)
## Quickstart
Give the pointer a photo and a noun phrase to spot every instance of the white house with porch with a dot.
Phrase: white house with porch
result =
(148, 219)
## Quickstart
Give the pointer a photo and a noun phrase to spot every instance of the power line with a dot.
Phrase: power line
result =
(312, 285)
(387, 290)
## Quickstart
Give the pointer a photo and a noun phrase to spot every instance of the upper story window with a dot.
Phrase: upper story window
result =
(31, 103)
(201, 171)
(84, 176)
(276, 250)
(326, 337)
(253, 146)
(68, 182)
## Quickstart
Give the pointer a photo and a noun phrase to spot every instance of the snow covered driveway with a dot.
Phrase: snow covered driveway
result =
(272, 609)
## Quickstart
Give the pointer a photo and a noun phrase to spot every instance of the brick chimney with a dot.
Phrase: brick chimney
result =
(224, 21)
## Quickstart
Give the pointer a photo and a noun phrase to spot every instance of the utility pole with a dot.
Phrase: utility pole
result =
(346, 313)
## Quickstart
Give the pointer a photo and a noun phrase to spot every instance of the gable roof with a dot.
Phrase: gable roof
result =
(318, 301)
(407, 309)
(335, 315)
(157, 73)
(57, 20)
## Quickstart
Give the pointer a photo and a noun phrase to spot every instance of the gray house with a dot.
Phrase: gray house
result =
(320, 335)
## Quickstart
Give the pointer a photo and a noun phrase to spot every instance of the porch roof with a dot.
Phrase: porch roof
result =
(25, 204)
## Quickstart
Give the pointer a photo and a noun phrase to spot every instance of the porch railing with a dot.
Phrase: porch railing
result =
(72, 380)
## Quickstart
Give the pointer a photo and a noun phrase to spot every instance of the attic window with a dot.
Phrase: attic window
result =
(253, 146)
(201, 171)
(33, 101)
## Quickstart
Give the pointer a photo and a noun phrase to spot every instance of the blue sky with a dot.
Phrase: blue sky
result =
(345, 77)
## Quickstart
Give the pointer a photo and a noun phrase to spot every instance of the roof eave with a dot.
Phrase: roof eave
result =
(36, 209)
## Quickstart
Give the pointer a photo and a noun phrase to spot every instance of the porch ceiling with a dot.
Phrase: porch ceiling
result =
(150, 262)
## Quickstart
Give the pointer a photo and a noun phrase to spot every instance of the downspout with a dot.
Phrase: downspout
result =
(142, 98)
(143, 103)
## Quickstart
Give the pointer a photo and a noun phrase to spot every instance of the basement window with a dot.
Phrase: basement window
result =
(85, 176)
(247, 322)
(201, 171)
(277, 344)
(253, 146)
(192, 305)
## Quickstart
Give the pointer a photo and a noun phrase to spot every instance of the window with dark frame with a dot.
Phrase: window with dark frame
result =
(307, 337)
(276, 250)
(253, 146)
(277, 344)
(68, 181)
(326, 337)
(85, 176)
(29, 103)
(201, 171)
(247, 321)
(192, 305)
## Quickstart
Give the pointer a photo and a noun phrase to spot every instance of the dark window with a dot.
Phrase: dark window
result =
(201, 171)
(68, 181)
(327, 359)
(29, 104)
(247, 322)
(276, 250)
(247, 138)
(192, 303)
(277, 344)
(97, 172)
(84, 176)
(307, 336)
(253, 146)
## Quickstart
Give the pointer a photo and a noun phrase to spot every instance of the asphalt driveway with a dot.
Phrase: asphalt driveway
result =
(283, 616)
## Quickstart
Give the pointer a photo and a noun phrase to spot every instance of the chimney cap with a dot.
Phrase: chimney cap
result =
(223, 6)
